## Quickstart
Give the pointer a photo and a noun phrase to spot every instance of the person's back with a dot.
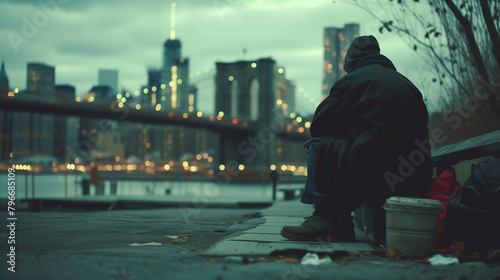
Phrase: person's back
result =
(372, 137)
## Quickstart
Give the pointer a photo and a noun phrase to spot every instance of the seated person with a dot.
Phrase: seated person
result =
(370, 139)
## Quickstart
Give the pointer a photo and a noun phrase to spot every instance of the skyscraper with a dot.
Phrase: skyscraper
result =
(5, 118)
(4, 81)
(108, 78)
(174, 73)
(33, 133)
(40, 79)
(65, 131)
(335, 45)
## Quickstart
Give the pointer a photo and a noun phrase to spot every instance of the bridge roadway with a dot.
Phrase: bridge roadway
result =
(149, 115)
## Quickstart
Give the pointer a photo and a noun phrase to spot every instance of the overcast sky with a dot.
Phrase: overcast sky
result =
(80, 37)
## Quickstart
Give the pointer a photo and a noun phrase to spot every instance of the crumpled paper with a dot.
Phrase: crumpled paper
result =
(145, 244)
(442, 260)
(313, 259)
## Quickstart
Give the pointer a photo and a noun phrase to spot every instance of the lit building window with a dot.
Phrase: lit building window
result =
(173, 96)
(341, 37)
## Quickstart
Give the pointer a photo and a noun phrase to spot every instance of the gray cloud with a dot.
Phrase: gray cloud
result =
(84, 36)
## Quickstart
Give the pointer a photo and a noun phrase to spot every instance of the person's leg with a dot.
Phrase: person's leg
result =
(310, 195)
(328, 222)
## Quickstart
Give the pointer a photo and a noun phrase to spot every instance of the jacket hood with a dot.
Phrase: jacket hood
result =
(364, 50)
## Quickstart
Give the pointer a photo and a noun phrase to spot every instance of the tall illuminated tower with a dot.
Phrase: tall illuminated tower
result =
(335, 45)
(174, 74)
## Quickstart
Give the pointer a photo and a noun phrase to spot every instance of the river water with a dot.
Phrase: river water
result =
(61, 185)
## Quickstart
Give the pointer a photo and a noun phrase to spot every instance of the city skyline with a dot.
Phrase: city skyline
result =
(296, 46)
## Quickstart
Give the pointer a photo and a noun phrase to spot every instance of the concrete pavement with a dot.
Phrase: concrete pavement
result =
(94, 245)
(264, 236)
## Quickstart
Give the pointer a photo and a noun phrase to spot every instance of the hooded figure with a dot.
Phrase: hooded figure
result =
(370, 140)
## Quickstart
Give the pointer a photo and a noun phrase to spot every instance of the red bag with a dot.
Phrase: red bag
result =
(443, 187)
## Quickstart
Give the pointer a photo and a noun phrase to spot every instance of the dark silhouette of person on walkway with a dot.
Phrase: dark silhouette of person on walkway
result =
(370, 140)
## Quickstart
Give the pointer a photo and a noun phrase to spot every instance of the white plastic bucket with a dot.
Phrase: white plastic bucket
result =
(411, 224)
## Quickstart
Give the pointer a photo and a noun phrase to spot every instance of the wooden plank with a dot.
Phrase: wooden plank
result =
(476, 147)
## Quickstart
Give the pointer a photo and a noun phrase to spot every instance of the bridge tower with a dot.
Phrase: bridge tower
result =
(246, 91)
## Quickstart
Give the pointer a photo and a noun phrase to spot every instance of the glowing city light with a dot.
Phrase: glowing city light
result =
(280, 70)
(231, 78)
(253, 64)
(120, 105)
(193, 168)
(307, 124)
(241, 167)
(292, 115)
(154, 88)
(199, 114)
(118, 96)
(235, 121)
(279, 102)
(123, 99)
(137, 93)
(299, 119)
(138, 106)
(272, 167)
(163, 86)
(166, 167)
(222, 167)
(221, 114)
(158, 107)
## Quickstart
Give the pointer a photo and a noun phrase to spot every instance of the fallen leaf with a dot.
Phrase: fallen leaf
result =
(493, 253)
(393, 253)
(287, 260)
(172, 236)
(145, 244)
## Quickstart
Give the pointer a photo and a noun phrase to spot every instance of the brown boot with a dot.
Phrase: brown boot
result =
(314, 228)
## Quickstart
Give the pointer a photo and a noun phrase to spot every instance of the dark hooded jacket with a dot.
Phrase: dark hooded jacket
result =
(373, 130)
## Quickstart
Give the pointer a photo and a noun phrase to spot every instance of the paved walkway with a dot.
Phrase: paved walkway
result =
(260, 237)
